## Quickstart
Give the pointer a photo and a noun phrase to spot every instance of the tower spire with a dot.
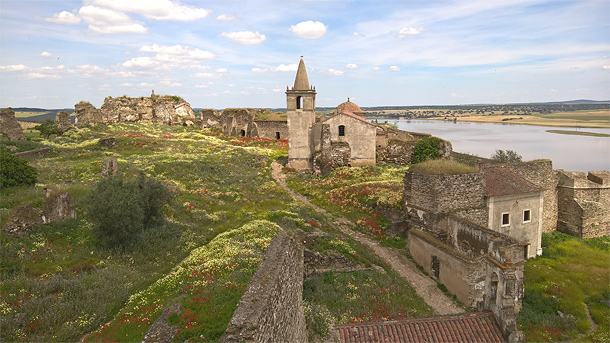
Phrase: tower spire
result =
(301, 82)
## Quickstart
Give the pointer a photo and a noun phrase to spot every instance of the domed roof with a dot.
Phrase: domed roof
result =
(349, 107)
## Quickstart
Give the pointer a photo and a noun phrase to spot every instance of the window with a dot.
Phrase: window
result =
(299, 102)
(506, 219)
(243, 133)
(277, 135)
(341, 130)
(527, 216)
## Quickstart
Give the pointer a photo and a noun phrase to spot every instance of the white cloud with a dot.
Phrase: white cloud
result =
(222, 70)
(126, 84)
(170, 58)
(280, 68)
(139, 62)
(227, 17)
(154, 9)
(146, 85)
(375, 68)
(15, 67)
(606, 67)
(351, 66)
(277, 90)
(102, 20)
(409, 31)
(45, 54)
(245, 37)
(87, 70)
(357, 34)
(63, 17)
(201, 86)
(309, 29)
(209, 75)
(37, 75)
(394, 68)
(331, 72)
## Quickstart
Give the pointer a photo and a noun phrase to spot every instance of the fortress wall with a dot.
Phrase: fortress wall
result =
(271, 309)
(270, 129)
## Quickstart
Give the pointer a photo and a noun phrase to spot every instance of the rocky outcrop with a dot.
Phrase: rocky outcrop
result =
(169, 110)
(9, 125)
(62, 122)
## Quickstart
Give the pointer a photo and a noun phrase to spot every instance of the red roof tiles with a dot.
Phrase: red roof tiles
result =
(466, 327)
(501, 181)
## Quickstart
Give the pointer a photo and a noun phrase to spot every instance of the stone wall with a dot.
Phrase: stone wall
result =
(396, 151)
(276, 129)
(444, 193)
(9, 125)
(62, 122)
(154, 109)
(584, 203)
(541, 174)
(271, 309)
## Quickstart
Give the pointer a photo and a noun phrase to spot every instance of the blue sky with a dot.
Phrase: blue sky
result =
(218, 54)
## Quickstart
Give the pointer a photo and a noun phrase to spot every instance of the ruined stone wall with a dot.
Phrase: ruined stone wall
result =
(584, 203)
(155, 109)
(396, 151)
(271, 129)
(271, 309)
(211, 118)
(9, 125)
(444, 193)
(541, 174)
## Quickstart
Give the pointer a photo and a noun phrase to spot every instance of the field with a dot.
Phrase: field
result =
(60, 284)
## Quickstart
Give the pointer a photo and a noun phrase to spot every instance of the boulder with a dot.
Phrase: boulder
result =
(9, 126)
(110, 167)
(107, 142)
(57, 206)
(22, 219)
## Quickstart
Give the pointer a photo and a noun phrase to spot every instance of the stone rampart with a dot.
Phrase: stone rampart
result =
(541, 174)
(584, 203)
(271, 309)
(9, 126)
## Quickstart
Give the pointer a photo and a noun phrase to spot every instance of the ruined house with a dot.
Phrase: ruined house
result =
(345, 138)
(245, 122)
(9, 126)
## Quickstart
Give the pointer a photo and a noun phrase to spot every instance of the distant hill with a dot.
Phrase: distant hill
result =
(45, 113)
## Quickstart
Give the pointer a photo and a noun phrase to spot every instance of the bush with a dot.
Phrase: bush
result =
(119, 210)
(47, 128)
(506, 156)
(426, 149)
(15, 171)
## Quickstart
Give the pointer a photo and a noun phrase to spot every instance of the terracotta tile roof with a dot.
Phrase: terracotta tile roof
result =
(501, 181)
(466, 327)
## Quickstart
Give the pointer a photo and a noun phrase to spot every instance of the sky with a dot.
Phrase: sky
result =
(232, 53)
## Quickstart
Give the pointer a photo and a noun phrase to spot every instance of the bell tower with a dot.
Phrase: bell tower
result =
(301, 111)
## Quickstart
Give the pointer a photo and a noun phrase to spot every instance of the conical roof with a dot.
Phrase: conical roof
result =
(301, 82)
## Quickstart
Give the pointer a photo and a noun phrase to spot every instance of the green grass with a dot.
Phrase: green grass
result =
(579, 133)
(570, 276)
(441, 167)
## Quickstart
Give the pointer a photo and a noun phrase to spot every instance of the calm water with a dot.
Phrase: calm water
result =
(569, 152)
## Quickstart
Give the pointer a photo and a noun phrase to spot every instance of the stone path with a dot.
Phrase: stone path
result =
(424, 286)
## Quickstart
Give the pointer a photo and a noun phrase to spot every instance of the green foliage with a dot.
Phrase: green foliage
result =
(47, 128)
(21, 145)
(119, 210)
(317, 320)
(442, 167)
(426, 149)
(506, 156)
(571, 275)
(15, 171)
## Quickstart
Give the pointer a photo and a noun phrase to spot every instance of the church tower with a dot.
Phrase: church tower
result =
(301, 111)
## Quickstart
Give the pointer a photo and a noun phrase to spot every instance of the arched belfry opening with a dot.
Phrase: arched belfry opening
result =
(299, 102)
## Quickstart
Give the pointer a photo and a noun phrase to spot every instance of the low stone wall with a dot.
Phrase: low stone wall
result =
(271, 309)
(38, 153)
(272, 129)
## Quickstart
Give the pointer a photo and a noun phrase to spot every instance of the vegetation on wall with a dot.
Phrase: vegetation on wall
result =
(426, 149)
(506, 156)
(442, 167)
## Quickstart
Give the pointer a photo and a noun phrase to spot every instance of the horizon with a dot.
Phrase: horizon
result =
(226, 54)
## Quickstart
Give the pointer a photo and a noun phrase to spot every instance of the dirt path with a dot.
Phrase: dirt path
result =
(423, 285)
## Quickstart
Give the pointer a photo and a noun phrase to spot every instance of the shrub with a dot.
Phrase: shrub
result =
(119, 210)
(15, 171)
(506, 156)
(426, 149)
(47, 128)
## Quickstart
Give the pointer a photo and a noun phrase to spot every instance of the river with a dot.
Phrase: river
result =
(568, 152)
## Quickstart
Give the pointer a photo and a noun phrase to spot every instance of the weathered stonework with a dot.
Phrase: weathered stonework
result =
(584, 203)
(243, 122)
(57, 206)
(271, 309)
(154, 109)
(62, 122)
(9, 125)
(110, 167)
(22, 219)
(160, 331)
